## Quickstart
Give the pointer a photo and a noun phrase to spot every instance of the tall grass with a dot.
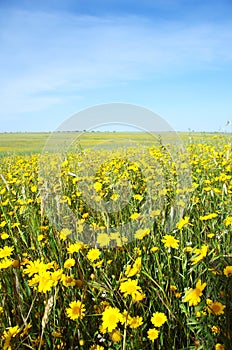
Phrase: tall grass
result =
(46, 219)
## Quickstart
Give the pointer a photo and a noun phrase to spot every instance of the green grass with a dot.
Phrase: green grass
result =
(45, 207)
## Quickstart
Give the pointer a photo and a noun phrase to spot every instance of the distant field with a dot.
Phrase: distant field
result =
(22, 143)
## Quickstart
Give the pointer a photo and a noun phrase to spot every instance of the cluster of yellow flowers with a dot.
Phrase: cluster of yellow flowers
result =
(124, 275)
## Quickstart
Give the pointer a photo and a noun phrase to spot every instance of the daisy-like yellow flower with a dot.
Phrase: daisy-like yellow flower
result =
(69, 263)
(152, 334)
(183, 222)
(11, 332)
(201, 254)
(208, 217)
(154, 249)
(135, 216)
(141, 233)
(5, 263)
(103, 239)
(131, 271)
(115, 336)
(215, 307)
(4, 235)
(68, 281)
(64, 233)
(170, 242)
(110, 318)
(158, 319)
(96, 347)
(93, 254)
(76, 310)
(228, 221)
(138, 296)
(219, 346)
(215, 330)
(135, 322)
(97, 186)
(227, 270)
(192, 296)
(6, 251)
(130, 287)
(75, 247)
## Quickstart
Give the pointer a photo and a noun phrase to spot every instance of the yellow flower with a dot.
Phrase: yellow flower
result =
(215, 329)
(103, 239)
(40, 237)
(75, 247)
(138, 296)
(227, 270)
(97, 186)
(219, 346)
(130, 287)
(96, 347)
(228, 221)
(188, 249)
(138, 197)
(173, 288)
(152, 334)
(154, 249)
(115, 336)
(170, 242)
(208, 217)
(131, 271)
(93, 254)
(7, 335)
(5, 263)
(110, 318)
(135, 322)
(3, 223)
(6, 251)
(202, 252)
(158, 319)
(4, 235)
(215, 307)
(211, 235)
(182, 222)
(33, 188)
(69, 263)
(141, 233)
(68, 281)
(135, 216)
(76, 310)
(65, 232)
(98, 263)
(192, 296)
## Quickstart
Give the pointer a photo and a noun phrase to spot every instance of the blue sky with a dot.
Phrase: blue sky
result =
(58, 57)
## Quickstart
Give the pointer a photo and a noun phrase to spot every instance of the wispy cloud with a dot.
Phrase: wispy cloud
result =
(46, 56)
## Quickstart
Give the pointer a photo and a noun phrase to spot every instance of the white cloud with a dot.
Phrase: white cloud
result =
(48, 56)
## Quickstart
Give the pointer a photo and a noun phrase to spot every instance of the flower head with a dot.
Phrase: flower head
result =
(158, 319)
(183, 221)
(170, 241)
(227, 270)
(215, 307)
(152, 334)
(110, 318)
(192, 296)
(93, 254)
(76, 310)
(130, 287)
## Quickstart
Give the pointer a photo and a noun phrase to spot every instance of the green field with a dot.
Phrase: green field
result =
(35, 142)
(115, 241)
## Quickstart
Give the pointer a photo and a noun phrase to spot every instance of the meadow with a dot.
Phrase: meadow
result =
(107, 243)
